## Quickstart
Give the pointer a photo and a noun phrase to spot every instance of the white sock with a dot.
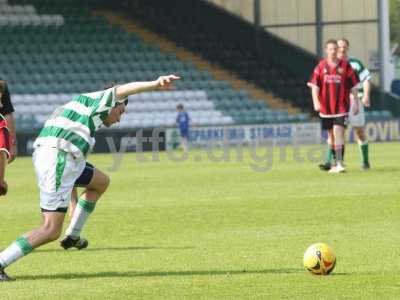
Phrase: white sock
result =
(15, 251)
(81, 214)
(185, 145)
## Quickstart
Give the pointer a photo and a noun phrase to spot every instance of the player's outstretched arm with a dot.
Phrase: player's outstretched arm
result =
(162, 83)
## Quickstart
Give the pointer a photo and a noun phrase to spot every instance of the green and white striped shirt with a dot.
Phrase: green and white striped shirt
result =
(362, 72)
(72, 126)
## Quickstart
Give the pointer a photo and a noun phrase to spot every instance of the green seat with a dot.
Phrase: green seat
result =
(259, 117)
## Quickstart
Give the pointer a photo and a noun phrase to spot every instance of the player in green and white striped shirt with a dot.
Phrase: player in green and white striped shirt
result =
(357, 121)
(60, 159)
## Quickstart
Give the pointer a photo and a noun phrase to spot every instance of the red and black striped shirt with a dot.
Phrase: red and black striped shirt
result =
(335, 84)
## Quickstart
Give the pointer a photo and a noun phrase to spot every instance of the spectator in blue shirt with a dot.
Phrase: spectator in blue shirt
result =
(183, 121)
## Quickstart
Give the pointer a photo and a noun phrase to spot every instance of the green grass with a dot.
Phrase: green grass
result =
(208, 230)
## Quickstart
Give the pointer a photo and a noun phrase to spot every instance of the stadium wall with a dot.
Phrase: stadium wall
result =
(244, 9)
(295, 21)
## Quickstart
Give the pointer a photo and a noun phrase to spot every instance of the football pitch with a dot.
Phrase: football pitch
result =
(217, 230)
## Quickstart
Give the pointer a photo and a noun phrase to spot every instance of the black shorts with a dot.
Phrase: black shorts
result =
(86, 176)
(328, 123)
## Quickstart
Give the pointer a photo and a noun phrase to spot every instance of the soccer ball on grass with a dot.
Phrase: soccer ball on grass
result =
(319, 259)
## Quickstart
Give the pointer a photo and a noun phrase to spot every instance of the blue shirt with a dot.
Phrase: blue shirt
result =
(183, 120)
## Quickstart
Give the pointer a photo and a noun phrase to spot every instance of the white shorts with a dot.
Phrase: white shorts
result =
(56, 172)
(357, 120)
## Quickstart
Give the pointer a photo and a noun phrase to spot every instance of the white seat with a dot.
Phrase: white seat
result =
(27, 98)
(46, 20)
(227, 120)
(216, 121)
(14, 19)
(58, 20)
(17, 98)
(19, 108)
(207, 105)
(151, 106)
(53, 98)
(158, 122)
(33, 20)
(146, 96)
(164, 106)
(165, 96)
(157, 96)
(198, 94)
(136, 98)
(65, 97)
(134, 123)
(146, 123)
(203, 121)
(38, 98)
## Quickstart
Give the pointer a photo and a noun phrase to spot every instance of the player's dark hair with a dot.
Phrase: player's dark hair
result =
(179, 106)
(110, 85)
(345, 40)
(125, 102)
(2, 87)
(330, 41)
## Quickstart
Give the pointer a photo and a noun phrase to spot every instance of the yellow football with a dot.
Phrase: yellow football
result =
(319, 259)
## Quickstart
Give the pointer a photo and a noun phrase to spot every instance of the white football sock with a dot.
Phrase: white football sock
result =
(81, 214)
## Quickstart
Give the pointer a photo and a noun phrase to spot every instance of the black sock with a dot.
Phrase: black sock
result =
(339, 154)
(342, 152)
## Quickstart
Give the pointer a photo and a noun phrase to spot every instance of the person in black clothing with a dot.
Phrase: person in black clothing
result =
(8, 142)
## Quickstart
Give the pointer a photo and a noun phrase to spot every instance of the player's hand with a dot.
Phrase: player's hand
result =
(165, 83)
(366, 101)
(13, 153)
(3, 187)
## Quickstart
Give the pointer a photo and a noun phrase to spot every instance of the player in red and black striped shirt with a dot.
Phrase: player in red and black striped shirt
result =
(8, 147)
(332, 82)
